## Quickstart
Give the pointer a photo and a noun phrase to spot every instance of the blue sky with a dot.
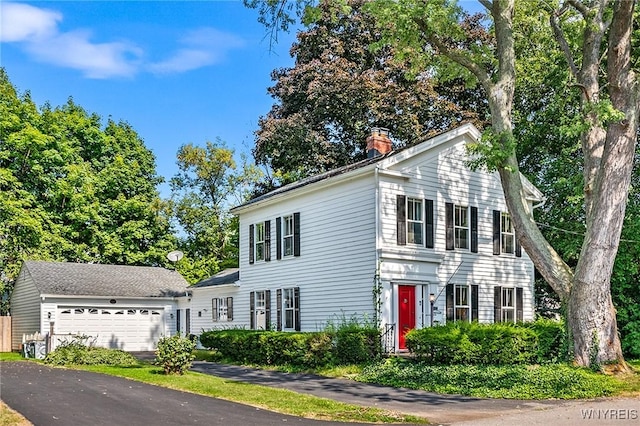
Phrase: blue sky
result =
(178, 71)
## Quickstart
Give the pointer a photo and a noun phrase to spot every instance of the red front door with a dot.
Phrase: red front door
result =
(406, 312)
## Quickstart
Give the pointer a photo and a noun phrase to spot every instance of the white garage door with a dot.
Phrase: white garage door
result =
(129, 329)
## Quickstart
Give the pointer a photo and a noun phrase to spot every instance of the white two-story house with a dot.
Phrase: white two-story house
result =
(408, 238)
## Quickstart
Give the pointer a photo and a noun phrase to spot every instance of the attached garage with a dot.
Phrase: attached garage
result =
(127, 328)
(116, 306)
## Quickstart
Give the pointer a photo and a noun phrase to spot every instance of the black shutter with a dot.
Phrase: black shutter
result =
(267, 311)
(518, 248)
(497, 217)
(279, 309)
(401, 220)
(178, 325)
(474, 229)
(250, 243)
(252, 310)
(497, 304)
(448, 219)
(296, 234)
(296, 313)
(278, 238)
(474, 302)
(214, 309)
(267, 240)
(229, 308)
(429, 225)
(519, 304)
(449, 302)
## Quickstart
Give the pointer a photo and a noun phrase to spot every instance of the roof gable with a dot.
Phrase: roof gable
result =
(466, 132)
(88, 279)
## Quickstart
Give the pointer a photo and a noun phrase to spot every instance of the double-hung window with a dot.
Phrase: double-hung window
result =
(259, 241)
(288, 305)
(507, 236)
(461, 303)
(461, 227)
(415, 221)
(287, 235)
(508, 304)
(222, 309)
(504, 236)
(259, 306)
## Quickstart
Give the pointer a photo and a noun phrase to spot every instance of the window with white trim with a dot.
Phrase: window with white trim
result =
(259, 240)
(461, 226)
(289, 308)
(507, 235)
(508, 304)
(287, 235)
(461, 303)
(415, 221)
(222, 309)
(260, 310)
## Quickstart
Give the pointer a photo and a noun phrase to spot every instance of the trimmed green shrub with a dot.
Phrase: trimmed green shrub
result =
(175, 354)
(552, 340)
(356, 345)
(446, 344)
(488, 344)
(306, 350)
(75, 352)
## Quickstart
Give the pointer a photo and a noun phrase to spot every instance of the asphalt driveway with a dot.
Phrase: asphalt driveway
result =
(50, 396)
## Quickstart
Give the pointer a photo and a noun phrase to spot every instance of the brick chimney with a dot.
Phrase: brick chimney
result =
(378, 143)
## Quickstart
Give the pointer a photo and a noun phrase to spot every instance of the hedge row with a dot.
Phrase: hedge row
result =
(307, 350)
(536, 342)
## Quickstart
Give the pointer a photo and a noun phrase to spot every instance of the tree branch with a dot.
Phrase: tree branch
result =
(562, 41)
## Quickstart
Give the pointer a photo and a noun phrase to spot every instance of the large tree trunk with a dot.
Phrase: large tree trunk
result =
(591, 314)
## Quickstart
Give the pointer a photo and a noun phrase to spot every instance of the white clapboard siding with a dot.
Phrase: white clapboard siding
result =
(25, 309)
(337, 263)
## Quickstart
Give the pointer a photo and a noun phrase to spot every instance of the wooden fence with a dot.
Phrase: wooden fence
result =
(5, 334)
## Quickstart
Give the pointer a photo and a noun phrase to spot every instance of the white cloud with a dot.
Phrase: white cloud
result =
(21, 22)
(96, 60)
(202, 47)
(36, 31)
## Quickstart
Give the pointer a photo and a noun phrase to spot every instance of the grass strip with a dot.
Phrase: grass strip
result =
(279, 400)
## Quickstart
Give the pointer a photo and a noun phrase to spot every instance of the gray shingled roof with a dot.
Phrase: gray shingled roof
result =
(86, 279)
(228, 276)
(317, 178)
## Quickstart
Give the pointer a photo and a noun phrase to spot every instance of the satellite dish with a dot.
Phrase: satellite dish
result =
(175, 255)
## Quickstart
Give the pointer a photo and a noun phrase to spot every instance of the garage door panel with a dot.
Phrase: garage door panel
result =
(131, 329)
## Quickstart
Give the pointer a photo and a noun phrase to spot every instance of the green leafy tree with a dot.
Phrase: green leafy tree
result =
(340, 88)
(595, 40)
(73, 190)
(201, 191)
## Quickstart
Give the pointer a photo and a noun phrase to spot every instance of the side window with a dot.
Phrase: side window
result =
(260, 309)
(508, 304)
(414, 221)
(222, 309)
(288, 236)
(504, 236)
(462, 302)
(288, 304)
(259, 241)
(461, 227)
(461, 224)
